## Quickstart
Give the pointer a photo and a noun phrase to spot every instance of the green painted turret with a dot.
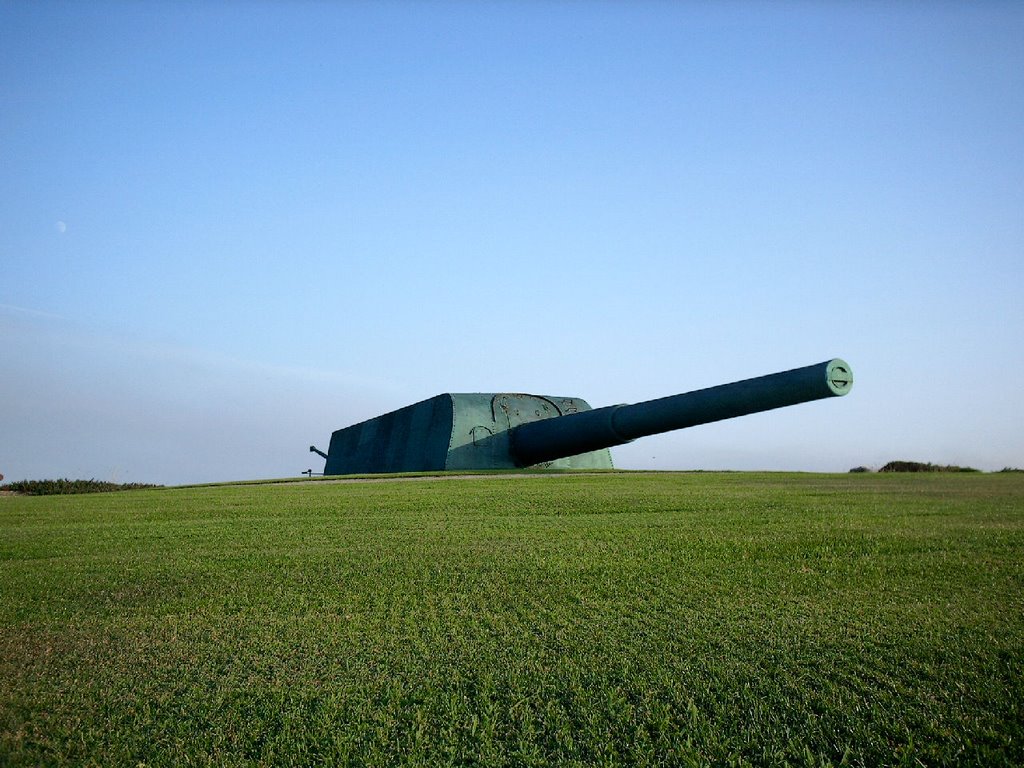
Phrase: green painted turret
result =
(513, 430)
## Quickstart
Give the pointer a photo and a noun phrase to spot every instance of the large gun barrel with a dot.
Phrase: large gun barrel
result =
(549, 439)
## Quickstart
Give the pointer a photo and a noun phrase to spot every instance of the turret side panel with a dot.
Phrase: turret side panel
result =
(411, 439)
(478, 441)
(480, 437)
(600, 459)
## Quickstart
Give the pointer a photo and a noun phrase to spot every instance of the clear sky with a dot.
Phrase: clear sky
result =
(228, 229)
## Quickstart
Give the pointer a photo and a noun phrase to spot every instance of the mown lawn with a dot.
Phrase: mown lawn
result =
(616, 619)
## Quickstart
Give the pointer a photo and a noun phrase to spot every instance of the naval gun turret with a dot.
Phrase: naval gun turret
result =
(515, 430)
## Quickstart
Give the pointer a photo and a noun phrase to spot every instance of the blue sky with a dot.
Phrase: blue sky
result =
(227, 229)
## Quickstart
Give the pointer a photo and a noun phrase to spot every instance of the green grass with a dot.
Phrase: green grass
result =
(647, 619)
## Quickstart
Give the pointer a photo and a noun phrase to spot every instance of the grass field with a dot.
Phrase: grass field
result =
(617, 619)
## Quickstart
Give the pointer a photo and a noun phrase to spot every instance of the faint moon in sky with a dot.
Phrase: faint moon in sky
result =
(61, 227)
